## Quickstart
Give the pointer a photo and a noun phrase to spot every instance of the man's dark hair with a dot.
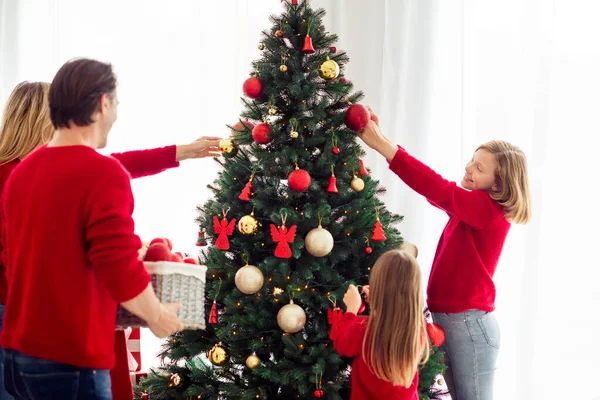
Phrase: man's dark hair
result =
(76, 90)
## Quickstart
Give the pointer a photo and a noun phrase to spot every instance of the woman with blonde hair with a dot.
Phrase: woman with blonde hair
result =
(26, 126)
(461, 292)
(391, 342)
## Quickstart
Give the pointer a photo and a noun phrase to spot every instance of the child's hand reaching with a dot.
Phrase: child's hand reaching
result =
(352, 299)
(365, 291)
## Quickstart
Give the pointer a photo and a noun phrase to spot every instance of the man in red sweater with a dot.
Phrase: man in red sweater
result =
(70, 251)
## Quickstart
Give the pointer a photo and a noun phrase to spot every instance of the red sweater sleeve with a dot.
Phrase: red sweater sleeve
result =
(112, 244)
(348, 341)
(140, 163)
(475, 208)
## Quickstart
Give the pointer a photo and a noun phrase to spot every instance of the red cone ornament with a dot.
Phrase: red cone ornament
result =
(436, 334)
(253, 87)
(213, 314)
(363, 170)
(247, 191)
(260, 133)
(308, 46)
(378, 235)
(294, 2)
(357, 117)
(332, 188)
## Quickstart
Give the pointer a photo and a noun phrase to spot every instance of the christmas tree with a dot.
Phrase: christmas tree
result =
(294, 220)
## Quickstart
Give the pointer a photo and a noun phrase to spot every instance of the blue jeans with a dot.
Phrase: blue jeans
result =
(34, 378)
(3, 393)
(471, 347)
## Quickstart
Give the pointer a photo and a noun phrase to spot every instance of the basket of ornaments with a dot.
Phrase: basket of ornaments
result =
(176, 279)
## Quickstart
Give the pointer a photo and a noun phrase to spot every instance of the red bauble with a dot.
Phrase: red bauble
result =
(253, 87)
(335, 150)
(344, 80)
(145, 396)
(162, 240)
(176, 257)
(318, 393)
(299, 180)
(158, 252)
(240, 126)
(190, 260)
(368, 250)
(357, 117)
(260, 133)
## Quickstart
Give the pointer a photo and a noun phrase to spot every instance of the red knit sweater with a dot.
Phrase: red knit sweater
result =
(471, 243)
(138, 163)
(364, 384)
(68, 227)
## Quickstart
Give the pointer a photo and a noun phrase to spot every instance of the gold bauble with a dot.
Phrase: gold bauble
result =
(283, 68)
(176, 380)
(227, 147)
(261, 46)
(329, 69)
(217, 355)
(272, 111)
(249, 279)
(440, 382)
(294, 135)
(252, 361)
(248, 225)
(291, 318)
(318, 242)
(357, 184)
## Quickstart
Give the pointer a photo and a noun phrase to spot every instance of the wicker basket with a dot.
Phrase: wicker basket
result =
(174, 283)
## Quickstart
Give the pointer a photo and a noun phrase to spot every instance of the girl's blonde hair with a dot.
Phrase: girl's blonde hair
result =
(26, 123)
(396, 339)
(512, 179)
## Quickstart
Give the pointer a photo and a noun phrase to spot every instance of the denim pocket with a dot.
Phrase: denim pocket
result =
(491, 330)
(51, 385)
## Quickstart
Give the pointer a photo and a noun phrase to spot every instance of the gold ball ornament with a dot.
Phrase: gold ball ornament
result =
(252, 361)
(249, 279)
(272, 111)
(217, 355)
(319, 242)
(261, 46)
(294, 135)
(291, 318)
(329, 69)
(227, 147)
(357, 184)
(283, 68)
(248, 225)
(176, 380)
(440, 381)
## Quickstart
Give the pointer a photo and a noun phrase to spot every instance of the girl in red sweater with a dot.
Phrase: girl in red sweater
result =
(388, 345)
(26, 126)
(461, 293)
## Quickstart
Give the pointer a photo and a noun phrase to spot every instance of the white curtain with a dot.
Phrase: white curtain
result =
(444, 76)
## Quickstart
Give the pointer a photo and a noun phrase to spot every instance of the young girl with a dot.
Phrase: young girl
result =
(388, 345)
(461, 292)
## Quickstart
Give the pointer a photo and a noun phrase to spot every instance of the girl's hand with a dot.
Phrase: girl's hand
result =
(365, 291)
(375, 139)
(352, 299)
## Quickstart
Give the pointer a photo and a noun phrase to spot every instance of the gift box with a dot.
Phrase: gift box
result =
(137, 376)
(134, 356)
